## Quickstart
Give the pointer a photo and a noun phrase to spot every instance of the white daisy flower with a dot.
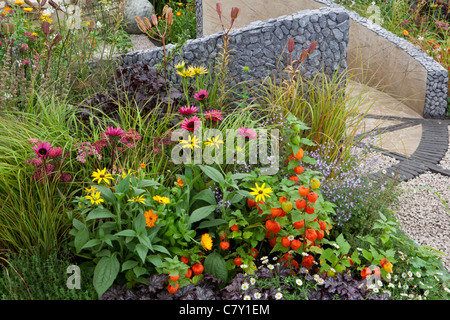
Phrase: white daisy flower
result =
(291, 237)
(375, 290)
(391, 285)
(270, 266)
(403, 275)
(299, 282)
(252, 280)
(247, 297)
(257, 295)
(410, 274)
(244, 286)
(320, 281)
(244, 266)
(278, 296)
(418, 275)
(426, 293)
(316, 277)
(447, 289)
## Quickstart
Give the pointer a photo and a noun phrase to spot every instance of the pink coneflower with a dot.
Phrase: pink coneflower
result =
(201, 95)
(188, 110)
(247, 133)
(214, 115)
(42, 149)
(114, 132)
(191, 124)
(55, 152)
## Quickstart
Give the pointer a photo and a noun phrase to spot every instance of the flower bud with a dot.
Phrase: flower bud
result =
(303, 56)
(24, 47)
(154, 20)
(57, 39)
(235, 13)
(219, 9)
(291, 43)
(312, 47)
(43, 2)
(169, 16)
(46, 27)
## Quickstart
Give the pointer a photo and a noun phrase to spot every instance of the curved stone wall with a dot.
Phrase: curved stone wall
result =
(376, 56)
(259, 45)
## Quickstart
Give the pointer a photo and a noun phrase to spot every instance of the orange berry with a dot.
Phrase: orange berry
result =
(237, 261)
(294, 178)
(224, 245)
(285, 242)
(184, 259)
(234, 227)
(365, 272)
(320, 234)
(253, 252)
(312, 197)
(299, 224)
(197, 268)
(174, 278)
(276, 212)
(300, 204)
(295, 244)
(188, 273)
(282, 199)
(251, 203)
(298, 170)
(303, 191)
(299, 154)
(273, 241)
(310, 210)
(323, 225)
(311, 235)
(172, 289)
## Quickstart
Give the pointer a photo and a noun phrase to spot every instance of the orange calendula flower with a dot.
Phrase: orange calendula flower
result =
(161, 199)
(180, 182)
(143, 165)
(28, 9)
(207, 242)
(178, 13)
(150, 218)
(405, 32)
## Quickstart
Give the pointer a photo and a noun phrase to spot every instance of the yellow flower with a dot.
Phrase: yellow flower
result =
(180, 182)
(185, 73)
(196, 70)
(191, 142)
(206, 242)
(213, 141)
(143, 165)
(101, 175)
(129, 173)
(95, 198)
(91, 190)
(137, 199)
(28, 9)
(19, 3)
(150, 218)
(180, 4)
(387, 267)
(161, 199)
(178, 13)
(260, 192)
(34, 34)
(405, 32)
(180, 66)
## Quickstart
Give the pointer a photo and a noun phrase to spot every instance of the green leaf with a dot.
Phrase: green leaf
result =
(201, 213)
(124, 185)
(139, 271)
(105, 273)
(236, 198)
(155, 259)
(91, 243)
(100, 213)
(161, 249)
(81, 239)
(147, 183)
(129, 265)
(139, 223)
(309, 160)
(126, 233)
(142, 251)
(211, 223)
(205, 195)
(214, 174)
(215, 265)
(78, 224)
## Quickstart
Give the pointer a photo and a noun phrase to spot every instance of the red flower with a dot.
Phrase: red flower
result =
(308, 261)
(191, 124)
(188, 110)
(365, 272)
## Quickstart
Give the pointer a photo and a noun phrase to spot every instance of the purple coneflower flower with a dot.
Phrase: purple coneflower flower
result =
(201, 95)
(188, 110)
(114, 132)
(247, 132)
(42, 149)
(55, 152)
(214, 115)
(191, 124)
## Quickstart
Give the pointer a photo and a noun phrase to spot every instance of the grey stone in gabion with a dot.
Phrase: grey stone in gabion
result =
(141, 8)
(338, 34)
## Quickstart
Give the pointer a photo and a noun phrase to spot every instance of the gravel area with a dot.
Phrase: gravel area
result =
(423, 215)
(374, 161)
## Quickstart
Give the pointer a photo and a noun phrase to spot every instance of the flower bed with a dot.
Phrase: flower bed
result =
(205, 188)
